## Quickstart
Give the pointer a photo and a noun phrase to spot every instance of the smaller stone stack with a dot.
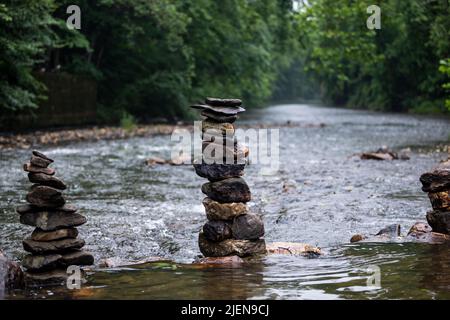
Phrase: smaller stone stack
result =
(437, 184)
(231, 229)
(53, 245)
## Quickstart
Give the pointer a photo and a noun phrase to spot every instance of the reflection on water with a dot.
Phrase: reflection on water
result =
(136, 211)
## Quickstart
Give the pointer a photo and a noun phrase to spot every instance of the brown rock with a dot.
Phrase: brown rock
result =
(376, 156)
(41, 262)
(217, 230)
(45, 197)
(293, 248)
(230, 260)
(39, 247)
(217, 171)
(228, 190)
(77, 257)
(11, 274)
(440, 200)
(33, 169)
(39, 235)
(39, 162)
(41, 155)
(46, 180)
(419, 227)
(230, 247)
(218, 153)
(27, 208)
(436, 181)
(223, 102)
(217, 128)
(439, 221)
(52, 220)
(218, 117)
(357, 238)
(223, 211)
(51, 278)
(247, 227)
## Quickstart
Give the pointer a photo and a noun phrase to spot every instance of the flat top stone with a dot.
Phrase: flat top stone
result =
(218, 117)
(41, 155)
(34, 169)
(223, 102)
(28, 208)
(222, 110)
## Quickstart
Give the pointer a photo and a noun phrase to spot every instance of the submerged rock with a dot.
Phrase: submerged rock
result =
(293, 248)
(228, 190)
(230, 247)
(52, 220)
(223, 211)
(422, 232)
(230, 260)
(393, 230)
(247, 227)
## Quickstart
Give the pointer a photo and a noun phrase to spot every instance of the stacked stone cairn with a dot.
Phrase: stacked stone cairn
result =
(231, 229)
(53, 245)
(437, 184)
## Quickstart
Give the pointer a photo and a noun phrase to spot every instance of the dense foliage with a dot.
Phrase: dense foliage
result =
(151, 58)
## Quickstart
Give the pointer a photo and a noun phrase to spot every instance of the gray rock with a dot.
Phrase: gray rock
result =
(223, 211)
(41, 155)
(247, 227)
(56, 277)
(34, 169)
(47, 180)
(217, 230)
(41, 262)
(77, 257)
(39, 235)
(45, 197)
(218, 117)
(52, 220)
(439, 221)
(27, 208)
(11, 275)
(230, 247)
(223, 102)
(216, 172)
(39, 247)
(391, 231)
(228, 190)
(227, 111)
(39, 162)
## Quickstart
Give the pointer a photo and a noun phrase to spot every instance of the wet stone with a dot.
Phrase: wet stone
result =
(78, 257)
(217, 230)
(228, 190)
(56, 277)
(52, 220)
(439, 221)
(39, 247)
(46, 180)
(39, 162)
(34, 169)
(247, 227)
(230, 247)
(216, 171)
(293, 248)
(223, 211)
(39, 235)
(45, 197)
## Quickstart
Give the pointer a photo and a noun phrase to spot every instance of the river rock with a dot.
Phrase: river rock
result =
(440, 200)
(217, 171)
(39, 162)
(422, 232)
(223, 211)
(393, 230)
(217, 230)
(247, 227)
(11, 275)
(45, 197)
(227, 111)
(228, 261)
(436, 181)
(223, 102)
(293, 248)
(217, 128)
(39, 235)
(228, 190)
(28, 167)
(357, 238)
(41, 262)
(419, 227)
(27, 208)
(218, 117)
(77, 257)
(52, 220)
(223, 154)
(439, 221)
(39, 247)
(46, 180)
(56, 277)
(230, 247)
(41, 155)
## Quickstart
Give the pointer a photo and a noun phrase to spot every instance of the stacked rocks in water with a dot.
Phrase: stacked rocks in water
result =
(53, 245)
(437, 184)
(231, 229)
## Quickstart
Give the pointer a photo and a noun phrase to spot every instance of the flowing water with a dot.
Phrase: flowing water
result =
(135, 211)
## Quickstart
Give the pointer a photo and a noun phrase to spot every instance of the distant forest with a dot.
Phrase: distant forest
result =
(152, 58)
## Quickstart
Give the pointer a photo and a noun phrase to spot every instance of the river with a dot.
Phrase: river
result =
(135, 211)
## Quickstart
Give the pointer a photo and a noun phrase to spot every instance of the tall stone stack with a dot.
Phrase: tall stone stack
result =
(437, 184)
(231, 229)
(53, 245)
